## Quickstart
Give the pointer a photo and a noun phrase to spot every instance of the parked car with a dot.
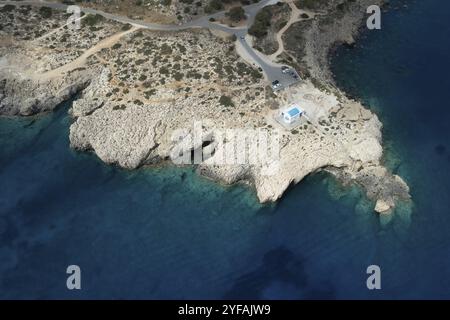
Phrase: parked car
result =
(276, 85)
(285, 69)
(294, 74)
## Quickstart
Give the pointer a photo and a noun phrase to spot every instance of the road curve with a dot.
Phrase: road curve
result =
(271, 70)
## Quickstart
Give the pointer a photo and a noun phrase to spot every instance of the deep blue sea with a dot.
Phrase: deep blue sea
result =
(165, 233)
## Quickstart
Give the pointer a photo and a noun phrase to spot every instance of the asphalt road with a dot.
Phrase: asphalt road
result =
(271, 70)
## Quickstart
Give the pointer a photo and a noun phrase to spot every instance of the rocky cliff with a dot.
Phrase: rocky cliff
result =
(146, 94)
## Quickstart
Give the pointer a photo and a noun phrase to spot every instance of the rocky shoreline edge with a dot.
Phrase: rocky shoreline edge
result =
(344, 141)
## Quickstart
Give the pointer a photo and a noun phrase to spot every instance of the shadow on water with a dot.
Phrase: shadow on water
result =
(169, 234)
(280, 276)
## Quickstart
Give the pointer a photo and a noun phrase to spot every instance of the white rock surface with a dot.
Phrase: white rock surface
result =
(140, 135)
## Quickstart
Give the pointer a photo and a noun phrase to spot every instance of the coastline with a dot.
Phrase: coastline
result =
(132, 136)
(391, 157)
(150, 234)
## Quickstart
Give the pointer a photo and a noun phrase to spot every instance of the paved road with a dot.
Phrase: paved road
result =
(271, 70)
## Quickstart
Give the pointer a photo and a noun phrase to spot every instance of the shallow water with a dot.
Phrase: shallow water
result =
(166, 233)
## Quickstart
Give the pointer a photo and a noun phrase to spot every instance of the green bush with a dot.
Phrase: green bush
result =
(178, 76)
(46, 12)
(214, 5)
(236, 14)
(166, 49)
(92, 20)
(261, 24)
(310, 4)
(126, 27)
(226, 101)
(8, 8)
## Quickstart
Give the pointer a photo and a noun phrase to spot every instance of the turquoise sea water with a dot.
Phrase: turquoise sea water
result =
(166, 233)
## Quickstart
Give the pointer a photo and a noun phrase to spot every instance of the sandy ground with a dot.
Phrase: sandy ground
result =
(81, 60)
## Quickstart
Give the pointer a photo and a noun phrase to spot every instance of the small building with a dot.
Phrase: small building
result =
(291, 114)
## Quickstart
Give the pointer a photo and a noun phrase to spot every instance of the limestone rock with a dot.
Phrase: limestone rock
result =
(382, 206)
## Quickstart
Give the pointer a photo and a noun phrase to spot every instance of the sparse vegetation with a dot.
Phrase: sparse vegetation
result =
(146, 64)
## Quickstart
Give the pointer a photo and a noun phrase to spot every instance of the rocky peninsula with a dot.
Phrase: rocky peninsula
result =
(136, 87)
